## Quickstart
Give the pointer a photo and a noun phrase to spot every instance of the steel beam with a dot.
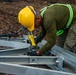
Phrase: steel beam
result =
(13, 44)
(12, 39)
(26, 70)
(17, 39)
(16, 52)
(65, 57)
(29, 59)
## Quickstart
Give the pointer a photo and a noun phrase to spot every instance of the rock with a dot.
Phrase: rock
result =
(70, 42)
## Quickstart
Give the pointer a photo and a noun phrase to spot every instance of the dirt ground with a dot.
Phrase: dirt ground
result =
(9, 12)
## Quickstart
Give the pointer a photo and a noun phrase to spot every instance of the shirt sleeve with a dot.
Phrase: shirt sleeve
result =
(50, 35)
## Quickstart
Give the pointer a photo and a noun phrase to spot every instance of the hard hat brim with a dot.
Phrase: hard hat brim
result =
(32, 27)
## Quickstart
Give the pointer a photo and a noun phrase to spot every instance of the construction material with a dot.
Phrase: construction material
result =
(62, 60)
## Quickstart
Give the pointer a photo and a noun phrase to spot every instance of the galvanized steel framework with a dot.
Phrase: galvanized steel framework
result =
(11, 58)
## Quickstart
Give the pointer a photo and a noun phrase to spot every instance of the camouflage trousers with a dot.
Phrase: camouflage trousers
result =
(68, 39)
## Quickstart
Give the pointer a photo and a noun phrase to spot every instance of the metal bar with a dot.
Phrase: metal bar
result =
(26, 70)
(64, 56)
(13, 44)
(29, 59)
(12, 39)
(61, 53)
(13, 51)
(68, 56)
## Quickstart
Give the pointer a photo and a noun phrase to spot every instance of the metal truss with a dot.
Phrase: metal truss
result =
(67, 56)
(26, 70)
(66, 59)
(62, 60)
(13, 44)
(29, 59)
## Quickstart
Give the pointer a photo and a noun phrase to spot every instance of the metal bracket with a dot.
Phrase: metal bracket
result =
(60, 62)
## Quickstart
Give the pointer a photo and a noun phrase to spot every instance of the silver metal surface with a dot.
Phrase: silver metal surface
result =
(68, 56)
(65, 56)
(13, 44)
(16, 52)
(29, 59)
(12, 39)
(55, 62)
(26, 70)
(66, 59)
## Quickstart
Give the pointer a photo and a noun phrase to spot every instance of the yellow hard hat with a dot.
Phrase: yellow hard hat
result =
(26, 17)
